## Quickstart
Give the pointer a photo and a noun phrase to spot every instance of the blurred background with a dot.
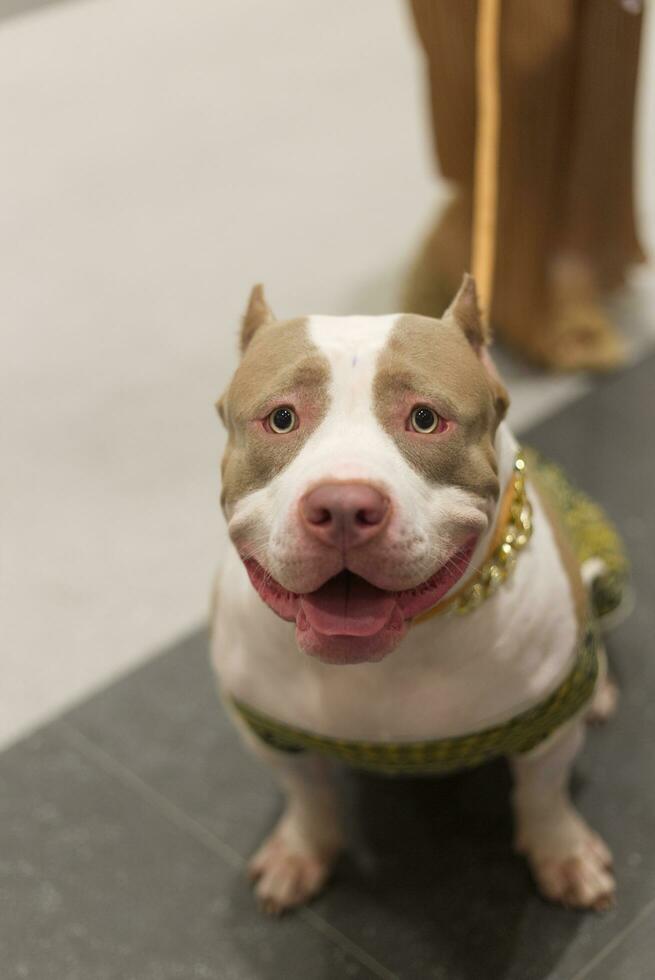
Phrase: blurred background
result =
(158, 157)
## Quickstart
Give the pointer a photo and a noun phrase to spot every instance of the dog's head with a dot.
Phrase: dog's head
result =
(360, 468)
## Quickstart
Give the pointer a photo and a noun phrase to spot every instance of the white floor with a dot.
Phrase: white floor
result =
(158, 156)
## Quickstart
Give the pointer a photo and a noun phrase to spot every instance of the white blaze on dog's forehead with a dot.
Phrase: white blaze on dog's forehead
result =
(351, 344)
(340, 335)
(350, 442)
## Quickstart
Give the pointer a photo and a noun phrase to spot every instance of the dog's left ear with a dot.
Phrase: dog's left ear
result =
(258, 314)
(465, 312)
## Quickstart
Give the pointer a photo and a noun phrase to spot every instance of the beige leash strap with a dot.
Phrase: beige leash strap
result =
(485, 199)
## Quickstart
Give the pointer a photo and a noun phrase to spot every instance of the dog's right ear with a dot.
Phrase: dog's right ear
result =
(258, 314)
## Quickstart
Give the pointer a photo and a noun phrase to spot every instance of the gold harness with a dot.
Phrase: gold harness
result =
(591, 534)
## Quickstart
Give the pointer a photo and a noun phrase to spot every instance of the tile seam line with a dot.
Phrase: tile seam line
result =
(615, 942)
(185, 822)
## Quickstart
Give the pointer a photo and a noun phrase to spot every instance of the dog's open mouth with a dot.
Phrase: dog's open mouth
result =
(346, 605)
(350, 620)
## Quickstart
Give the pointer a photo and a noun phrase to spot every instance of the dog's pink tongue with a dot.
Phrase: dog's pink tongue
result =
(347, 606)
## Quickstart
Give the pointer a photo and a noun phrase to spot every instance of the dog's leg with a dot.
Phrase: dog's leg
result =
(570, 863)
(606, 696)
(295, 861)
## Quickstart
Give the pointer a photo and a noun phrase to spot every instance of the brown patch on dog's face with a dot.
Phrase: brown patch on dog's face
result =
(431, 362)
(280, 366)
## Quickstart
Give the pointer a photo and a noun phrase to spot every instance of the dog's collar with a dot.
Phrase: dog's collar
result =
(513, 531)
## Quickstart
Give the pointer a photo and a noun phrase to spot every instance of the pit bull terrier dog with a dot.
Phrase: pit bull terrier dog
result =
(397, 589)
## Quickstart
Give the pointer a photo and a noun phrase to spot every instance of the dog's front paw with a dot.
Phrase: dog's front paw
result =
(570, 863)
(287, 875)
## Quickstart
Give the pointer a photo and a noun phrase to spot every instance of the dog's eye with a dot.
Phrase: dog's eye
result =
(282, 420)
(424, 419)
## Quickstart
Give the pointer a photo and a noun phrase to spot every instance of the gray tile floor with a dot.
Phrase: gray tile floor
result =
(124, 826)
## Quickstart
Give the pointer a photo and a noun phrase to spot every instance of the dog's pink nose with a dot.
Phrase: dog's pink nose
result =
(344, 515)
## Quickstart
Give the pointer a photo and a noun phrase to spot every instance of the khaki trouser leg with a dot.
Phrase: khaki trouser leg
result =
(568, 72)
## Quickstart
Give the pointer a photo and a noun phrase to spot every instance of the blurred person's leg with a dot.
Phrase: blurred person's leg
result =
(598, 239)
(448, 37)
(555, 119)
